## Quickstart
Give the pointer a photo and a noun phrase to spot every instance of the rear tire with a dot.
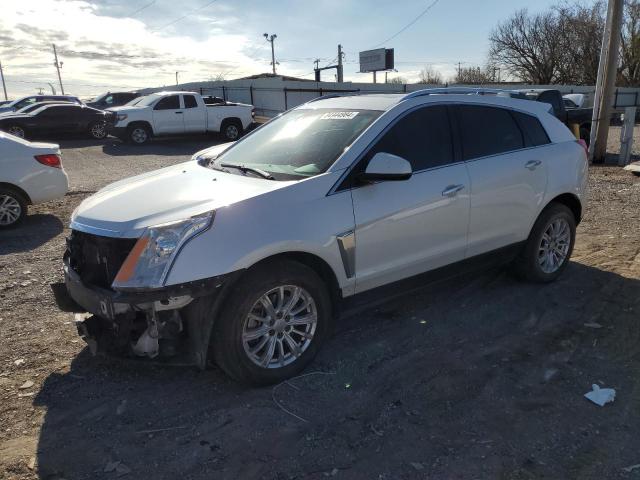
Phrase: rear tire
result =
(98, 130)
(549, 246)
(231, 129)
(17, 131)
(13, 208)
(247, 329)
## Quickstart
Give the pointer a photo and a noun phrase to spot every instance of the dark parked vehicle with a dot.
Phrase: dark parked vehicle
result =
(112, 99)
(32, 108)
(31, 99)
(57, 119)
(568, 116)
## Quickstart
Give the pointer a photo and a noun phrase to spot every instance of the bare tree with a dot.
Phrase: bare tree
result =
(430, 76)
(629, 73)
(474, 76)
(579, 32)
(218, 77)
(397, 80)
(528, 46)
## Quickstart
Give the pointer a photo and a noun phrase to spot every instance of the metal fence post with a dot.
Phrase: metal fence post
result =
(224, 93)
(251, 93)
(626, 136)
(286, 106)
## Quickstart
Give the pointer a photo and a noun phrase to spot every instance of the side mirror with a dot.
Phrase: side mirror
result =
(385, 166)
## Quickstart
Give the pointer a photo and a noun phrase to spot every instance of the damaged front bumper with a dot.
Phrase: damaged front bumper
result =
(162, 322)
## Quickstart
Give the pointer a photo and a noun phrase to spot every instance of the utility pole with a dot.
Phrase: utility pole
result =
(340, 67)
(177, 78)
(605, 84)
(374, 77)
(58, 67)
(4, 86)
(270, 39)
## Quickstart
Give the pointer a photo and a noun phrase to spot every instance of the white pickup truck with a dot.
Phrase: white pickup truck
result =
(178, 113)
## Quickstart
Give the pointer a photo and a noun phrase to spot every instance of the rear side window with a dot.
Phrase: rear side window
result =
(168, 103)
(487, 131)
(534, 132)
(189, 101)
(423, 137)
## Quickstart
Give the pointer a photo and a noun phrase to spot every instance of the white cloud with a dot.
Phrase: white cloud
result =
(100, 52)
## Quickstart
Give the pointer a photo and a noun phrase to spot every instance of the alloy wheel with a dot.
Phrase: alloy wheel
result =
(139, 135)
(98, 130)
(232, 132)
(554, 245)
(10, 210)
(280, 326)
(16, 131)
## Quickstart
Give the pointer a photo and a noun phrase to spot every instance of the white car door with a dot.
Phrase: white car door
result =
(406, 227)
(168, 117)
(506, 162)
(194, 117)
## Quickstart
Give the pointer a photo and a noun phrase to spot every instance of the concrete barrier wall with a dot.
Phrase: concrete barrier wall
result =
(271, 96)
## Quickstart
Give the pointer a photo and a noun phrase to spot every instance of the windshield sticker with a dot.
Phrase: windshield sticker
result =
(338, 116)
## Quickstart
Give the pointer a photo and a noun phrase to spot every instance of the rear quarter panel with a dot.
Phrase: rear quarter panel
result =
(217, 113)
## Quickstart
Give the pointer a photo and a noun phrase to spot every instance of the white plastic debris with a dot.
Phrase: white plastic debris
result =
(601, 396)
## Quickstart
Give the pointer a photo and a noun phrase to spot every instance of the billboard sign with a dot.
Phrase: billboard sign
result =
(376, 60)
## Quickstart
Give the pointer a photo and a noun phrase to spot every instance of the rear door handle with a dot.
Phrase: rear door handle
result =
(533, 164)
(178, 113)
(452, 190)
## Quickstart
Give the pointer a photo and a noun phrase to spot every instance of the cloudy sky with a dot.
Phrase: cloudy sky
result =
(127, 44)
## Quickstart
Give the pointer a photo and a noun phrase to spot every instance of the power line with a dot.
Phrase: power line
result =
(142, 8)
(183, 17)
(420, 15)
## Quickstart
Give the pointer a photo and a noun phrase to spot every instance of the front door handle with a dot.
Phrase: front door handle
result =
(452, 190)
(533, 164)
(178, 113)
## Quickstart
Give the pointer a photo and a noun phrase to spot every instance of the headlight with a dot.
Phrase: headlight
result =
(121, 116)
(148, 263)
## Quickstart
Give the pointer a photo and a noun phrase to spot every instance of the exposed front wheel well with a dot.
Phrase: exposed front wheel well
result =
(317, 264)
(570, 201)
(18, 190)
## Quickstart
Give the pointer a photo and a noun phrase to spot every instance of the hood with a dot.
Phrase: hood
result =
(127, 108)
(127, 207)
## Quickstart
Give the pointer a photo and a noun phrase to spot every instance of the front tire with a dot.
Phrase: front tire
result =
(139, 134)
(549, 246)
(273, 323)
(13, 208)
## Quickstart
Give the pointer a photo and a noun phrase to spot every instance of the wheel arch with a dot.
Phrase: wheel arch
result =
(316, 263)
(18, 190)
(228, 120)
(571, 201)
(140, 123)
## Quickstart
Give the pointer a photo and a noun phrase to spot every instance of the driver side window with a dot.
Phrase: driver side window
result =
(168, 103)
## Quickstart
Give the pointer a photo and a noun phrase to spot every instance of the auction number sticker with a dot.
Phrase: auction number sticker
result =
(338, 116)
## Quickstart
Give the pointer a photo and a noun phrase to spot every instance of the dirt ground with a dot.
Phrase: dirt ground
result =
(475, 377)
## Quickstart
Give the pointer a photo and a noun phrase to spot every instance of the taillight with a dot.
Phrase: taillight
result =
(253, 112)
(583, 144)
(50, 160)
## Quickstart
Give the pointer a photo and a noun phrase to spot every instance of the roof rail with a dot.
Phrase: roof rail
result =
(458, 91)
(324, 97)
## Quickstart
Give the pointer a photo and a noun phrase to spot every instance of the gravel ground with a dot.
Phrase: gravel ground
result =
(474, 377)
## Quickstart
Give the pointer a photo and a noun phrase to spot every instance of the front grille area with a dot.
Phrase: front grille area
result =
(97, 259)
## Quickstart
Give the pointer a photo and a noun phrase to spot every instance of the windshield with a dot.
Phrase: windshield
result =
(99, 97)
(145, 101)
(135, 101)
(301, 143)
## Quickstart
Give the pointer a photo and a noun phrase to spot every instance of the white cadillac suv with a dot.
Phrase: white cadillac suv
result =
(242, 255)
